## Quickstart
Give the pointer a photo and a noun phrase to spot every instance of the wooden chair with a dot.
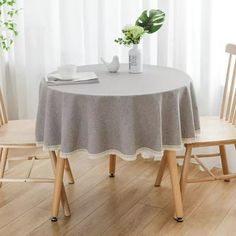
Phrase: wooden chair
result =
(215, 131)
(21, 134)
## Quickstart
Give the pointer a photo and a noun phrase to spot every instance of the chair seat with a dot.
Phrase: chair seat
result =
(214, 130)
(17, 133)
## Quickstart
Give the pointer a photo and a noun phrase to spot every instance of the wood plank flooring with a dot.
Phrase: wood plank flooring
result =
(128, 204)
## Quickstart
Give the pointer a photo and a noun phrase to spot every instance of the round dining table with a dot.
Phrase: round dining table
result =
(126, 115)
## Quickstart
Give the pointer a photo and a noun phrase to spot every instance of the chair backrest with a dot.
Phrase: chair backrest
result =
(3, 113)
(228, 107)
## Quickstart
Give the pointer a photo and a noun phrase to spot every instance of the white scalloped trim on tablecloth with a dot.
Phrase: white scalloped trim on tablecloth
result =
(145, 152)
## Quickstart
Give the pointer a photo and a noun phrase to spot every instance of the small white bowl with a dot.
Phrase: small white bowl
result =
(67, 71)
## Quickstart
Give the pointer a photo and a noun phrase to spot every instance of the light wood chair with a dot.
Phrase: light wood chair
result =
(215, 131)
(17, 134)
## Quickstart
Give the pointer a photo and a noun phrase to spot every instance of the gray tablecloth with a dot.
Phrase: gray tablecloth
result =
(124, 114)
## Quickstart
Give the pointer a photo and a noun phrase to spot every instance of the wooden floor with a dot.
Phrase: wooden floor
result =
(128, 204)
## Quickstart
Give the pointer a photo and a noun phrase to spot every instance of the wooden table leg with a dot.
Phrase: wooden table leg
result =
(67, 169)
(64, 200)
(58, 186)
(112, 165)
(185, 168)
(161, 171)
(172, 164)
(69, 172)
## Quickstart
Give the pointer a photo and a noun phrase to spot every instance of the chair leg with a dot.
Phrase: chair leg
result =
(1, 149)
(69, 172)
(3, 161)
(58, 187)
(172, 164)
(112, 165)
(224, 161)
(185, 168)
(161, 171)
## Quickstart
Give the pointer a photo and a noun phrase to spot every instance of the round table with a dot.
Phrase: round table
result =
(124, 114)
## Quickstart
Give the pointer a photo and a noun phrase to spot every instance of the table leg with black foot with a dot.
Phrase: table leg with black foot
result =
(64, 200)
(58, 188)
(112, 165)
(172, 164)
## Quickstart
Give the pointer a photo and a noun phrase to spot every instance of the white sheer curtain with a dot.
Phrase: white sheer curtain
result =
(54, 32)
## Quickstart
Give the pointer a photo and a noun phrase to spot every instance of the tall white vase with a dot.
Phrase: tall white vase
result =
(135, 60)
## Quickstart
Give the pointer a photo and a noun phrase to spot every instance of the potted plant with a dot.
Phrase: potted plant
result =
(8, 31)
(148, 22)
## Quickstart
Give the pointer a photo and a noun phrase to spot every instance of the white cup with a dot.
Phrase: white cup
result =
(67, 71)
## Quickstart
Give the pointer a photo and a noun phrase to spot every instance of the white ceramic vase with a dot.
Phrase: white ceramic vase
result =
(135, 60)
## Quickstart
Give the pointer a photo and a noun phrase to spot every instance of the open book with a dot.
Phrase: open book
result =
(79, 78)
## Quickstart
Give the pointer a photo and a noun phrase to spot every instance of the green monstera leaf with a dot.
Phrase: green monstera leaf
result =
(151, 20)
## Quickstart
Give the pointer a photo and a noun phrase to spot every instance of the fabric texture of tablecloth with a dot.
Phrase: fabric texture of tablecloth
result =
(101, 120)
